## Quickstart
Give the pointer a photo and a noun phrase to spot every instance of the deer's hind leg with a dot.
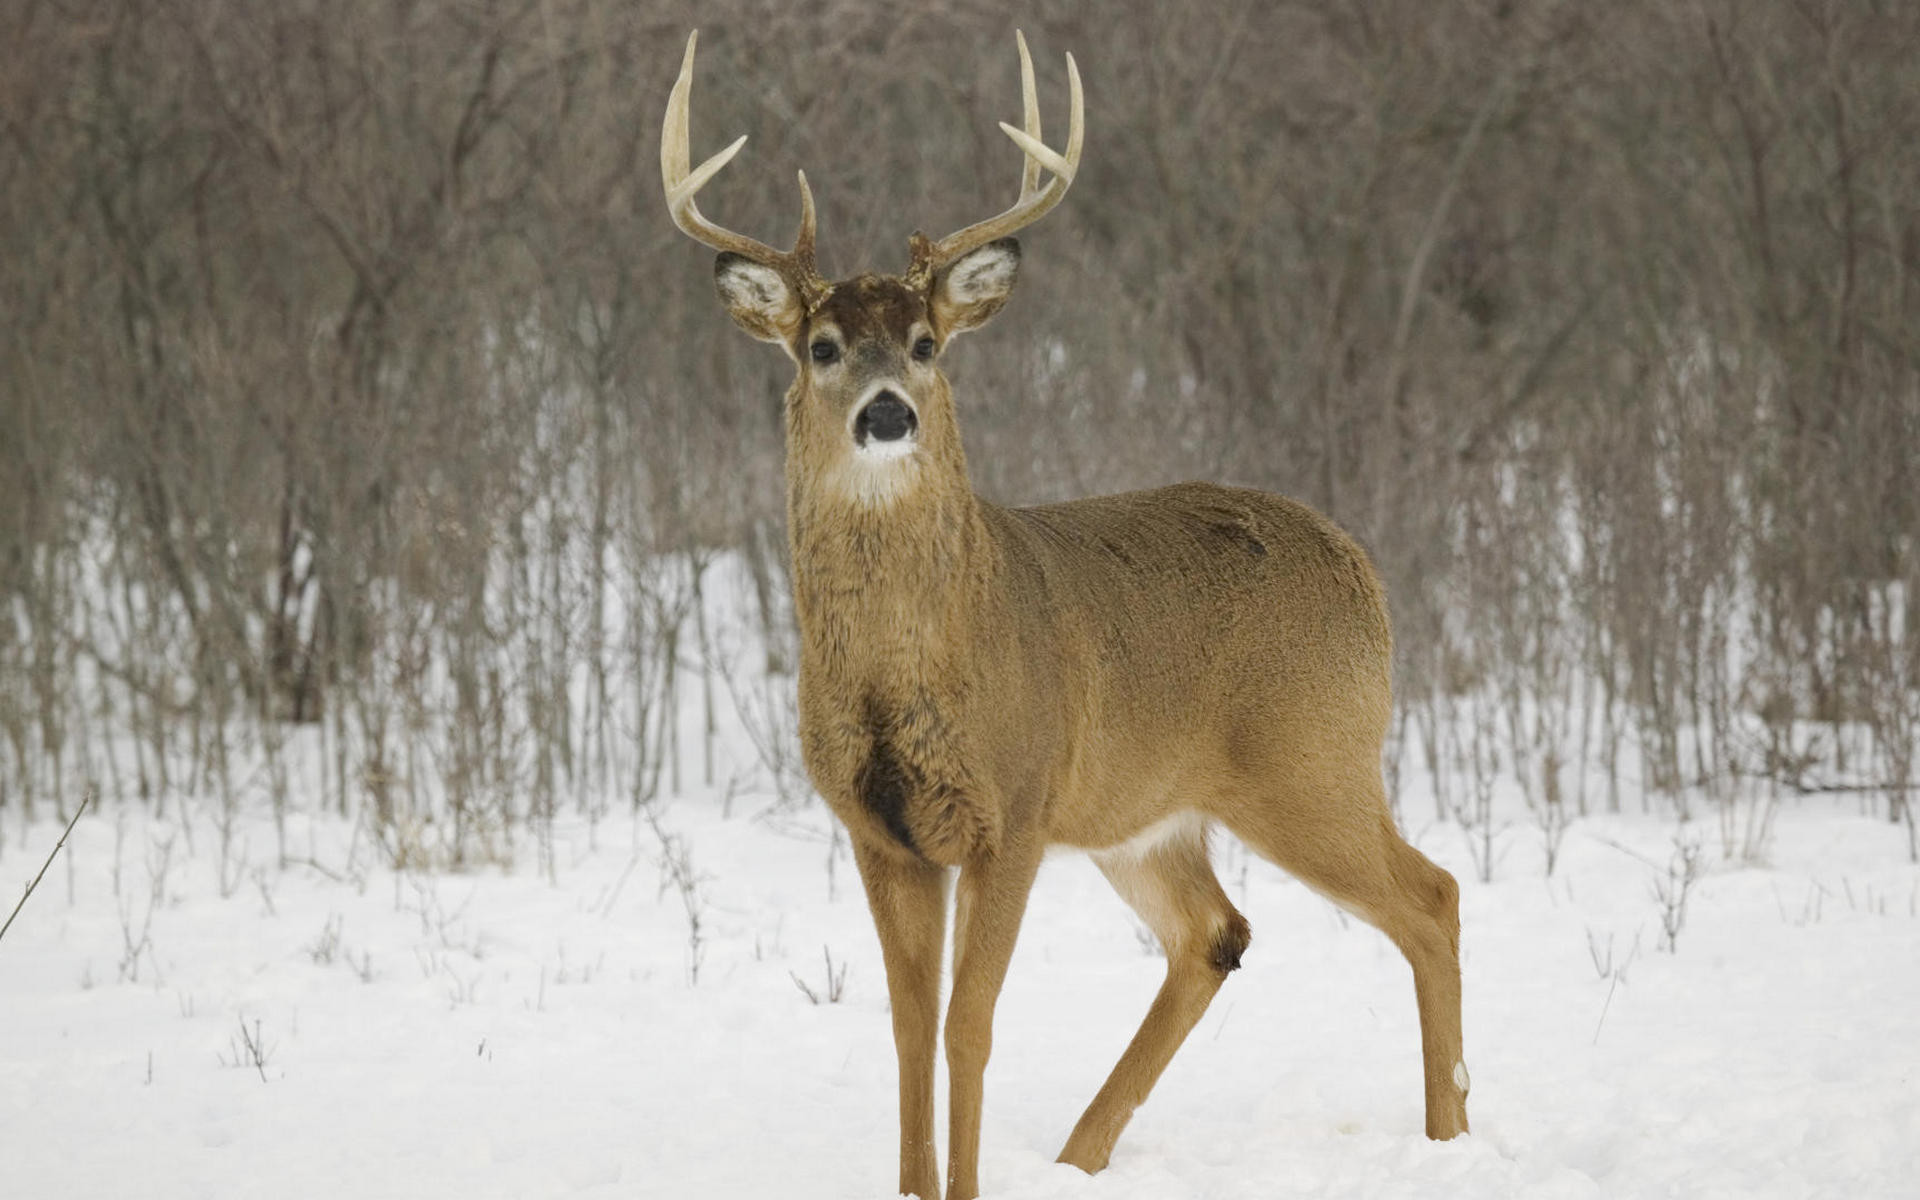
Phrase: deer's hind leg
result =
(1168, 881)
(1341, 842)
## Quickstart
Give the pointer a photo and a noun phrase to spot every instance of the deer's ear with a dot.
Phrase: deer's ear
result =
(972, 289)
(758, 297)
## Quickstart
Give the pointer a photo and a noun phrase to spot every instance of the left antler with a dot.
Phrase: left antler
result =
(1034, 202)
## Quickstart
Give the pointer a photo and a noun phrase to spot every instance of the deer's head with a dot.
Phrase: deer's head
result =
(869, 406)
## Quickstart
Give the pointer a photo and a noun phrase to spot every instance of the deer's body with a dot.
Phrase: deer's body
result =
(978, 683)
(1075, 673)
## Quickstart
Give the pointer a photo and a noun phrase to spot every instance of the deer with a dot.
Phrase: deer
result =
(1119, 674)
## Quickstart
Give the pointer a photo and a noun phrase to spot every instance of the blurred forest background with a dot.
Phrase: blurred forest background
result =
(357, 396)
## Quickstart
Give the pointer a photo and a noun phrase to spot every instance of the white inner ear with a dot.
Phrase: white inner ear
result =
(985, 274)
(757, 288)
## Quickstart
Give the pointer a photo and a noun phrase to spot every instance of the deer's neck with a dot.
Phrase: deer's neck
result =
(886, 588)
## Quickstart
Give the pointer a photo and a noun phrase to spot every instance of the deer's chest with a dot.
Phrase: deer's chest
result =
(887, 759)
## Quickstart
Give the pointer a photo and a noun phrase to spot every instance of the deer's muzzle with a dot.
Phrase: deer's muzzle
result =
(886, 418)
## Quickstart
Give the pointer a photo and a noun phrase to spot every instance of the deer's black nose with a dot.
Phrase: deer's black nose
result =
(886, 418)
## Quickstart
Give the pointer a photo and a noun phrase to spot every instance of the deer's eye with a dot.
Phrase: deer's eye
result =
(824, 351)
(923, 349)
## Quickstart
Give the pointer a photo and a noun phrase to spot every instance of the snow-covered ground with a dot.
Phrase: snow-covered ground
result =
(504, 1033)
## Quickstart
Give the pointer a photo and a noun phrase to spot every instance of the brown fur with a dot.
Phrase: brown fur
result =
(980, 682)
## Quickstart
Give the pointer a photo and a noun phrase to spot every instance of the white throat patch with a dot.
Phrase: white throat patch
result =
(877, 450)
(879, 473)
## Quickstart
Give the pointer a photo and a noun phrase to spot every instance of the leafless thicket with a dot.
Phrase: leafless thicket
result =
(358, 407)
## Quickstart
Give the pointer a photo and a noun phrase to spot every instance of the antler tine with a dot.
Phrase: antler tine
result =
(681, 184)
(803, 240)
(1032, 204)
(1030, 117)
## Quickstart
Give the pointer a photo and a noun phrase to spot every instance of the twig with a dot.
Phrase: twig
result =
(1627, 850)
(84, 801)
(316, 865)
(1603, 1009)
(836, 981)
(256, 1047)
(1824, 789)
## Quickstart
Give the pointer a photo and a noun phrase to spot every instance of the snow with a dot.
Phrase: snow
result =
(505, 1033)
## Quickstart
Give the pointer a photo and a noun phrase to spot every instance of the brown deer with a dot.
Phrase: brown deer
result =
(1116, 674)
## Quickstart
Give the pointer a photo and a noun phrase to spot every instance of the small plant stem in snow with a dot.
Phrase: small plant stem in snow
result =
(836, 986)
(1603, 1009)
(84, 801)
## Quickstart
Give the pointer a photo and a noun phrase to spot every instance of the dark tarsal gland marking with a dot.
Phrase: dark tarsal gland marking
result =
(1229, 943)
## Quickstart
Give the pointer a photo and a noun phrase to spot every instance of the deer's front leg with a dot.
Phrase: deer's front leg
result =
(992, 899)
(909, 904)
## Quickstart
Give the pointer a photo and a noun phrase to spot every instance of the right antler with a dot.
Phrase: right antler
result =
(1034, 202)
(795, 265)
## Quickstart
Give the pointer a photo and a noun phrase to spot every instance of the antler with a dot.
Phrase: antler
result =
(1034, 202)
(681, 184)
